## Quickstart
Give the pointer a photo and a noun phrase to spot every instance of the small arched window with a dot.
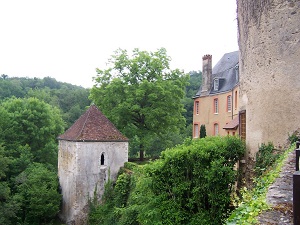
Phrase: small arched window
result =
(102, 159)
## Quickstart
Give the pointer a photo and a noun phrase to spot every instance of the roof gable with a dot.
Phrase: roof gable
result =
(228, 61)
(93, 126)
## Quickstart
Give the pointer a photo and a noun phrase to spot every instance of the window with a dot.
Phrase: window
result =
(196, 130)
(102, 159)
(216, 129)
(235, 100)
(229, 103)
(197, 107)
(216, 106)
(216, 84)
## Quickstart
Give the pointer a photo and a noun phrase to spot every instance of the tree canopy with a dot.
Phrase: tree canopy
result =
(28, 161)
(141, 95)
(72, 100)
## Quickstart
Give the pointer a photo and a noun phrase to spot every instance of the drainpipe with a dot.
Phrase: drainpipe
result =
(232, 104)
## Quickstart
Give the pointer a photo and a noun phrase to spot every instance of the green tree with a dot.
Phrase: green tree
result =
(202, 131)
(71, 99)
(8, 207)
(141, 95)
(191, 89)
(30, 124)
(37, 194)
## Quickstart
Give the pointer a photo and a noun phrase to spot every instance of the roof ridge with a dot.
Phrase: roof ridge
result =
(226, 69)
(89, 111)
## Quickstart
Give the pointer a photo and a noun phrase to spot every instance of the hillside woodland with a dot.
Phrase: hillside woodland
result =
(33, 113)
(72, 100)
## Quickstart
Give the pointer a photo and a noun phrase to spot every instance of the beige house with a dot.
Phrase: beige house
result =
(216, 102)
(91, 151)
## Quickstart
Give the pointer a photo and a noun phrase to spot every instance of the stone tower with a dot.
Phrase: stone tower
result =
(90, 151)
(269, 41)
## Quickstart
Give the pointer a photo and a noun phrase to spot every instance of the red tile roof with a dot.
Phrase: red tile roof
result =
(92, 126)
(233, 124)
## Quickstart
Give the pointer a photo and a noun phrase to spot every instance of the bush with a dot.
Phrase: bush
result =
(265, 157)
(189, 184)
(37, 194)
(202, 131)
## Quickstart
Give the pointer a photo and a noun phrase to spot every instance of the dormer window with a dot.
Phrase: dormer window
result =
(216, 84)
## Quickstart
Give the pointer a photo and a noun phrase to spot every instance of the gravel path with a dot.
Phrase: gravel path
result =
(280, 196)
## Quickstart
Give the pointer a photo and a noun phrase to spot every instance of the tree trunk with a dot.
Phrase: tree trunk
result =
(141, 152)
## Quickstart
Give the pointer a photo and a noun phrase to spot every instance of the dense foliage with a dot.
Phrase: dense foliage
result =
(190, 184)
(70, 99)
(28, 161)
(265, 158)
(142, 96)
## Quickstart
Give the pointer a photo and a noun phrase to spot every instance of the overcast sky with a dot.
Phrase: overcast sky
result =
(69, 39)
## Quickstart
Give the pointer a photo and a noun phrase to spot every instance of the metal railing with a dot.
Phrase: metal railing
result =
(296, 187)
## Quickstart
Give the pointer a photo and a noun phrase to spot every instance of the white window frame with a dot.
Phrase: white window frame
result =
(229, 103)
(216, 84)
(196, 130)
(216, 105)
(216, 129)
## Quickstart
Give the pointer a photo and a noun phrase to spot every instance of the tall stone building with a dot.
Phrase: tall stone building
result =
(269, 42)
(91, 151)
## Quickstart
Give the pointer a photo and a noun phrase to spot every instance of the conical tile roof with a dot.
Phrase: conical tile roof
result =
(92, 126)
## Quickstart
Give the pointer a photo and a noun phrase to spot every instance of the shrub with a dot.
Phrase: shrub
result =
(202, 131)
(265, 157)
(190, 184)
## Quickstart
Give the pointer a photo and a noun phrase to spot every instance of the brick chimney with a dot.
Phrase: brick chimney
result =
(206, 74)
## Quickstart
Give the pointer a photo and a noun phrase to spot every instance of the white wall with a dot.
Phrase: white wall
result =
(79, 172)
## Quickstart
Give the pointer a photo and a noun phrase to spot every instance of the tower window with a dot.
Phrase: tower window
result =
(102, 159)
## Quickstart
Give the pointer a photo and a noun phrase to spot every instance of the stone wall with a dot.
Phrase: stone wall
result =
(269, 41)
(81, 174)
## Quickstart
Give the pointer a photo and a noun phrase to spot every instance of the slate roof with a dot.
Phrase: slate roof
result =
(225, 70)
(233, 124)
(93, 126)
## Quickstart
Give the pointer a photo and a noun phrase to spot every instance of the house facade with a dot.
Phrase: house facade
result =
(90, 153)
(216, 104)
